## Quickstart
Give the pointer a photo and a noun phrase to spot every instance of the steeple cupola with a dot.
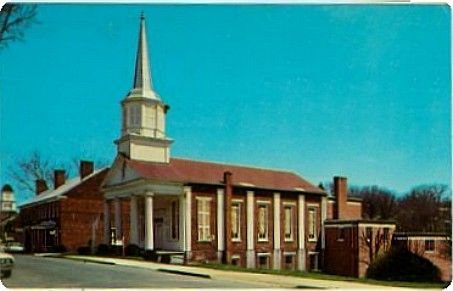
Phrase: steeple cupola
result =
(143, 112)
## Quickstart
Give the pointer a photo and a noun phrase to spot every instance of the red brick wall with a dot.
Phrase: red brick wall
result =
(264, 246)
(438, 257)
(81, 208)
(239, 248)
(202, 251)
(288, 246)
(364, 248)
(341, 256)
(353, 210)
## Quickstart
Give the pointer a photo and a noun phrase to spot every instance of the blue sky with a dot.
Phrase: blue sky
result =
(356, 90)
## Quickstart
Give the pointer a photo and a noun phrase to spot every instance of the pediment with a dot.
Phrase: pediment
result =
(120, 173)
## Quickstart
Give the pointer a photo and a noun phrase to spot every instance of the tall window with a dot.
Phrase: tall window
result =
(312, 223)
(263, 219)
(289, 228)
(236, 221)
(204, 218)
(175, 220)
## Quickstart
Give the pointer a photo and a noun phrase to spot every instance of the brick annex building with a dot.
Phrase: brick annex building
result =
(207, 211)
(65, 217)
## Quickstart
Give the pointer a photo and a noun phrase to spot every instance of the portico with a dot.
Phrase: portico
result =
(157, 215)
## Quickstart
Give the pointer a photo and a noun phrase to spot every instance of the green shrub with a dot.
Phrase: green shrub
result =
(103, 249)
(150, 255)
(399, 264)
(132, 250)
(84, 250)
(60, 249)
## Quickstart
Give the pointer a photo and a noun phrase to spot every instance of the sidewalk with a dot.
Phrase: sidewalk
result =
(274, 281)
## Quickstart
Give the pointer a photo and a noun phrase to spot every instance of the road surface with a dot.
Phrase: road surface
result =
(45, 272)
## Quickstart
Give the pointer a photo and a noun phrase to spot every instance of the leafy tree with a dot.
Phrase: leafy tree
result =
(14, 19)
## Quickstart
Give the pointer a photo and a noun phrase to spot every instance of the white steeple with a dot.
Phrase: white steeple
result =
(143, 113)
(143, 84)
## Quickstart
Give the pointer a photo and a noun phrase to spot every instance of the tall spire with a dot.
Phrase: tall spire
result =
(143, 86)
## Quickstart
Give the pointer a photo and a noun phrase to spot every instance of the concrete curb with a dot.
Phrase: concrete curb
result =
(178, 272)
(108, 262)
(93, 261)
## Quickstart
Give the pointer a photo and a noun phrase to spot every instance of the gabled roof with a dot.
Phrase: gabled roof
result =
(198, 172)
(54, 194)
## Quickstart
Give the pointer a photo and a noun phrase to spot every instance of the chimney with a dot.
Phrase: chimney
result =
(86, 168)
(41, 186)
(59, 178)
(340, 189)
(228, 181)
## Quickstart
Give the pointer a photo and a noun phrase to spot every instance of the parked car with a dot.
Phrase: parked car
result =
(14, 247)
(6, 264)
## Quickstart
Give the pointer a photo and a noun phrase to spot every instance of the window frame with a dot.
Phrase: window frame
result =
(237, 204)
(312, 208)
(292, 214)
(267, 256)
(206, 235)
(265, 204)
(432, 243)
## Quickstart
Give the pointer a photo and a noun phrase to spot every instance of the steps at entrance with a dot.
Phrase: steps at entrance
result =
(172, 257)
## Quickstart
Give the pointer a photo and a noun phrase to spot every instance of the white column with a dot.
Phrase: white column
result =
(182, 222)
(250, 229)
(277, 250)
(323, 232)
(107, 222)
(220, 223)
(133, 228)
(188, 221)
(149, 235)
(301, 257)
(119, 231)
(323, 219)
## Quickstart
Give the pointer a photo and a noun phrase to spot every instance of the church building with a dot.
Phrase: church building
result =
(206, 211)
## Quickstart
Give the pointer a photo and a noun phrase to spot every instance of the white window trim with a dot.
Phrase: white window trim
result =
(209, 237)
(292, 206)
(266, 221)
(316, 207)
(263, 254)
(238, 202)
(434, 247)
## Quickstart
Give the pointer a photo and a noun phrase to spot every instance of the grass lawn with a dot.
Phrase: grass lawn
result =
(323, 276)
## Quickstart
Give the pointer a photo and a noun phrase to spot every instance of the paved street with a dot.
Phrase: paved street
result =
(73, 272)
(42, 272)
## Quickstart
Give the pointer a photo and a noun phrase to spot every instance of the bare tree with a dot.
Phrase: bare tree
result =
(14, 19)
(377, 203)
(375, 241)
(26, 171)
(425, 208)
